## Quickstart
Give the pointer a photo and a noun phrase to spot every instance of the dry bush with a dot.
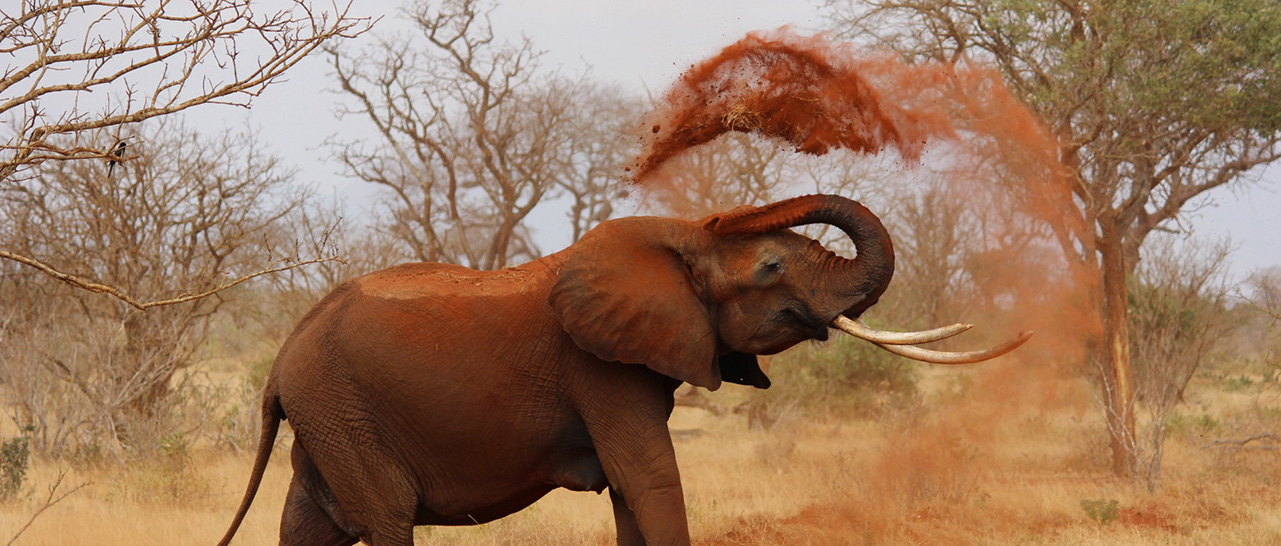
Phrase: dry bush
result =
(96, 375)
(168, 477)
(1178, 318)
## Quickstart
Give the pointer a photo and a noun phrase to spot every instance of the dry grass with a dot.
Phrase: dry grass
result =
(965, 469)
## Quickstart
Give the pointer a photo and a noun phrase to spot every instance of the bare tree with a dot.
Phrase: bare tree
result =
(932, 241)
(736, 169)
(1266, 286)
(474, 137)
(82, 72)
(598, 155)
(185, 215)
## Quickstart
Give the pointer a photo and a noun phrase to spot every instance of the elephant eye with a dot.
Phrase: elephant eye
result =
(769, 270)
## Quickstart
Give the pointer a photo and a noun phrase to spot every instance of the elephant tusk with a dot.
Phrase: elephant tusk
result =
(859, 330)
(966, 357)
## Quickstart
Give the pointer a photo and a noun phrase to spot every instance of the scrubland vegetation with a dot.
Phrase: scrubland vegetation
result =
(132, 354)
(884, 453)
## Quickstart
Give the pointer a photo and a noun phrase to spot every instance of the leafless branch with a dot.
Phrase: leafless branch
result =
(144, 305)
(82, 69)
(1242, 442)
(163, 58)
(473, 137)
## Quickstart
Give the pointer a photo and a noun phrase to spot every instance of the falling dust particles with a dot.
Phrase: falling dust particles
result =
(819, 96)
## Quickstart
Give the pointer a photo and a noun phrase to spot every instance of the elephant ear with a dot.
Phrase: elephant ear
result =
(625, 294)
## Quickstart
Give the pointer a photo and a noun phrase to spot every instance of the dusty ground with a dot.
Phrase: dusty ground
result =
(961, 468)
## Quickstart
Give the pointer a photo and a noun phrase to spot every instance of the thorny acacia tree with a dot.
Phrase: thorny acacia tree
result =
(81, 69)
(1154, 103)
(473, 135)
(186, 214)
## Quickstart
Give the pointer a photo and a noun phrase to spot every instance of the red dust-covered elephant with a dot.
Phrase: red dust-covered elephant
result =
(431, 394)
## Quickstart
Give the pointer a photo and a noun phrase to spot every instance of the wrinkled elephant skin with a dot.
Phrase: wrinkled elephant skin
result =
(431, 394)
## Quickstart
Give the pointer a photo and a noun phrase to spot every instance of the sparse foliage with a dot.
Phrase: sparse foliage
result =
(15, 460)
(1101, 511)
(834, 378)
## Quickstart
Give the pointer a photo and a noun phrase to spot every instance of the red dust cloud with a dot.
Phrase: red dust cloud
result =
(804, 90)
(1001, 162)
(820, 95)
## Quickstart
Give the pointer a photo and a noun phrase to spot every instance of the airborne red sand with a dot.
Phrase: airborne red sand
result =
(817, 96)
(804, 90)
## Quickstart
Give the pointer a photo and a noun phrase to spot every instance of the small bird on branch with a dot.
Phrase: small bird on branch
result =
(119, 152)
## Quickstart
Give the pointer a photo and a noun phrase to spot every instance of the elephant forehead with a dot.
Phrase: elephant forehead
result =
(416, 281)
(743, 254)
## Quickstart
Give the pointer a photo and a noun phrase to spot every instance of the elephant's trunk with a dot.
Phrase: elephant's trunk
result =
(863, 278)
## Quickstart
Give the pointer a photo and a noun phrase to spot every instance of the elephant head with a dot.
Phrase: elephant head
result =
(698, 300)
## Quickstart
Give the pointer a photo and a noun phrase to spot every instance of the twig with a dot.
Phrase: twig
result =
(49, 502)
(1243, 442)
(91, 286)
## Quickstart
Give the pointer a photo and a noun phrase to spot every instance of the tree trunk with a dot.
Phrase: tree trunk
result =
(1118, 377)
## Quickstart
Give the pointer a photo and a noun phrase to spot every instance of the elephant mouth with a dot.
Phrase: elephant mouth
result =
(806, 323)
(902, 343)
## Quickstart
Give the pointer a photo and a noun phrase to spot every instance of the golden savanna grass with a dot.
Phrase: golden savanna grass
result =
(979, 458)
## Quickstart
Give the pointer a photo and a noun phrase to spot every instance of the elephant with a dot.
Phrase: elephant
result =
(433, 394)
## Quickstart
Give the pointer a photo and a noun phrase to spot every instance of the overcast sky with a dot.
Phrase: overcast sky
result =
(644, 45)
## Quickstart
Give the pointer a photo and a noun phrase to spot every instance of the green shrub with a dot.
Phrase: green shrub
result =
(15, 458)
(1181, 425)
(1102, 511)
(1237, 384)
(257, 372)
(843, 374)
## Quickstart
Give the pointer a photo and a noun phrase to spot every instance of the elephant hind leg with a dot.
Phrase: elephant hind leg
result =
(317, 515)
(305, 523)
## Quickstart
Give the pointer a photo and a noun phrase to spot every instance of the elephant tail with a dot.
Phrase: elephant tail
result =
(272, 414)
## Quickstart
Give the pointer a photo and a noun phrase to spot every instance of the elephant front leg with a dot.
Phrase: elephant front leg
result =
(645, 487)
(629, 533)
(635, 449)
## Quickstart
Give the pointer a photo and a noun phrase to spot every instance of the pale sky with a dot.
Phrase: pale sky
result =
(644, 45)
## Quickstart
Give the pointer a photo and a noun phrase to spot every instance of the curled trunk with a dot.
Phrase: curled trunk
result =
(862, 279)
